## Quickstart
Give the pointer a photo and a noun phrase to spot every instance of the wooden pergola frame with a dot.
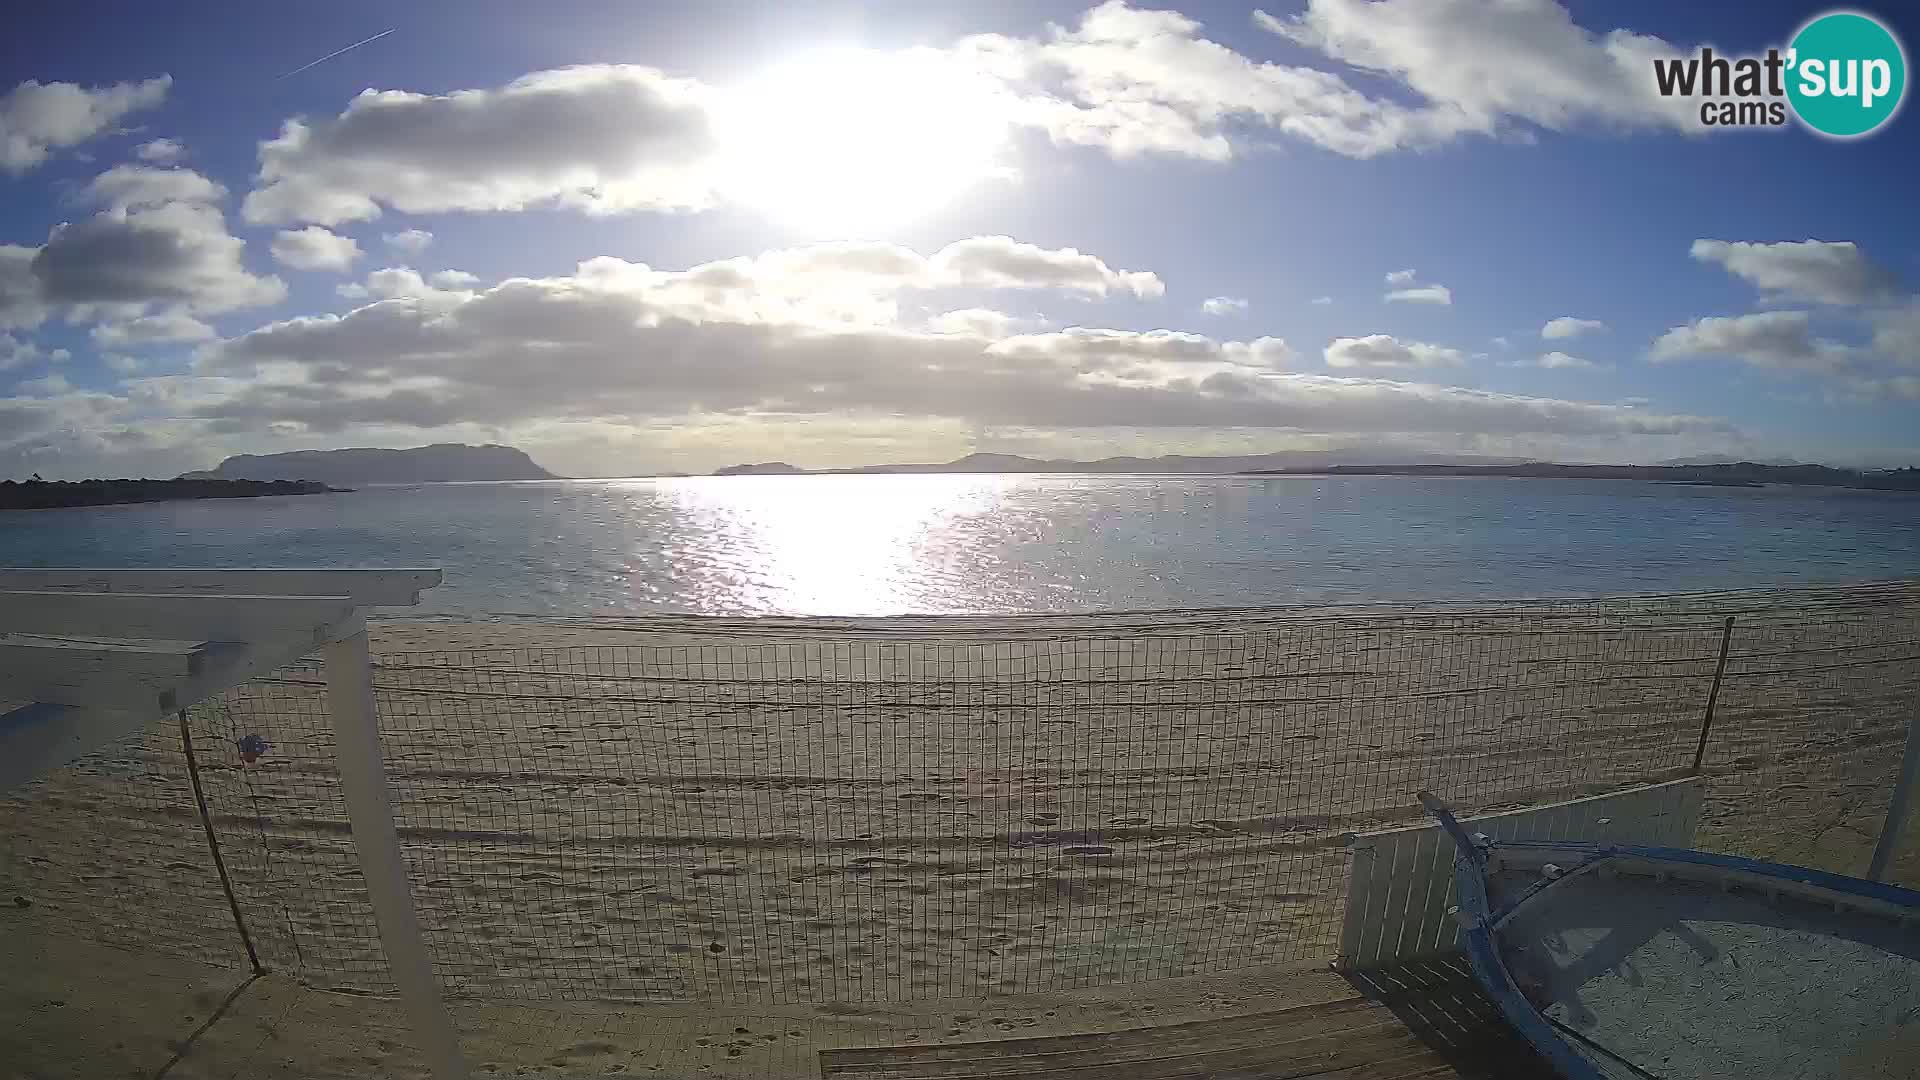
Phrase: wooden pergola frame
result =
(90, 656)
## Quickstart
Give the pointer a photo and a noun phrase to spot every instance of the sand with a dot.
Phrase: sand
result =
(640, 835)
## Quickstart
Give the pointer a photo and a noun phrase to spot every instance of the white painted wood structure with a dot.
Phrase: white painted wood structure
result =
(90, 656)
(1400, 884)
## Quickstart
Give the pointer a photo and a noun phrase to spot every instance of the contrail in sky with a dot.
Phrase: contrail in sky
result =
(337, 52)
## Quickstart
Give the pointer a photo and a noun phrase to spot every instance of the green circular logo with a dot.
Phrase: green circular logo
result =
(1846, 74)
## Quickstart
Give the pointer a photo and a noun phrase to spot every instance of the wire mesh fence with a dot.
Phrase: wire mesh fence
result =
(873, 819)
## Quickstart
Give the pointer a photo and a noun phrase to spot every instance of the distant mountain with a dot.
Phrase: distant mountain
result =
(1728, 459)
(1731, 474)
(1169, 464)
(764, 468)
(440, 463)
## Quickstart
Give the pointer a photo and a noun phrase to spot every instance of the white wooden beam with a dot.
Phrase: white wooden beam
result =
(363, 781)
(78, 660)
(381, 588)
(172, 615)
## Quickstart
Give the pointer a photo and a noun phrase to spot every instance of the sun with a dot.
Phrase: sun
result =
(852, 142)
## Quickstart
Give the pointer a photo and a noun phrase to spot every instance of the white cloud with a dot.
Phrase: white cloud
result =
(603, 138)
(126, 187)
(160, 239)
(1001, 262)
(1422, 294)
(621, 344)
(20, 302)
(1770, 339)
(1501, 341)
(1224, 305)
(122, 364)
(1556, 360)
(168, 326)
(351, 290)
(38, 118)
(453, 279)
(1896, 333)
(978, 322)
(1813, 270)
(161, 151)
(1485, 68)
(315, 248)
(1386, 351)
(16, 353)
(407, 241)
(1400, 277)
(1566, 326)
(1321, 301)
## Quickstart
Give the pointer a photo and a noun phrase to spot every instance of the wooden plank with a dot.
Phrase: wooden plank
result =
(75, 660)
(398, 587)
(171, 616)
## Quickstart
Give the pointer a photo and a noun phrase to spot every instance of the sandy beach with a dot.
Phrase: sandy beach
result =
(824, 832)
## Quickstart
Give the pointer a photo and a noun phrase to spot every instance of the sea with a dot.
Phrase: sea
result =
(951, 543)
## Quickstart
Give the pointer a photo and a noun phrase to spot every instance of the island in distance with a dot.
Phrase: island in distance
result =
(440, 463)
(38, 494)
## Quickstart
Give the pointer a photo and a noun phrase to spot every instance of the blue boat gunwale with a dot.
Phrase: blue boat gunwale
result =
(1483, 954)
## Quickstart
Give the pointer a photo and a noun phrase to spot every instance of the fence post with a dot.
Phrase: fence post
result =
(363, 780)
(213, 844)
(1898, 806)
(1713, 694)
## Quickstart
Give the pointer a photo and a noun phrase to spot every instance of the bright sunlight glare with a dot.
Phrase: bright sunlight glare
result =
(853, 142)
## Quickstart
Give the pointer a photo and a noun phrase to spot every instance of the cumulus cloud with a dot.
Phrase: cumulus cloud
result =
(1321, 301)
(1770, 339)
(603, 138)
(1896, 333)
(453, 279)
(978, 322)
(1566, 326)
(20, 302)
(407, 241)
(1400, 277)
(1001, 262)
(1483, 67)
(161, 151)
(1224, 305)
(1813, 270)
(38, 118)
(622, 343)
(1558, 361)
(1422, 294)
(125, 187)
(1386, 351)
(315, 248)
(160, 239)
(164, 327)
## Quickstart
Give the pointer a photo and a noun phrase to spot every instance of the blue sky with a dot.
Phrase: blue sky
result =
(669, 237)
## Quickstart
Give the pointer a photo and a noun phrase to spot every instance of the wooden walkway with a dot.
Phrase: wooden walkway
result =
(1418, 1021)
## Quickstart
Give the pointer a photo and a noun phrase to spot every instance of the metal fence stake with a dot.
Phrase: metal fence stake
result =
(1713, 695)
(363, 780)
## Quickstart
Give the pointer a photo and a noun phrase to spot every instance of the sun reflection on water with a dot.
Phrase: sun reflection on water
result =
(829, 544)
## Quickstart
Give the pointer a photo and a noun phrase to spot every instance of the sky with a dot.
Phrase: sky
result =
(665, 237)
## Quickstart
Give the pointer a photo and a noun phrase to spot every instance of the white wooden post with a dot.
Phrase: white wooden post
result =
(1898, 806)
(363, 779)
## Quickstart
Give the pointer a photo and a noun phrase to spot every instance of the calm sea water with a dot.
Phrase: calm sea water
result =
(856, 545)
